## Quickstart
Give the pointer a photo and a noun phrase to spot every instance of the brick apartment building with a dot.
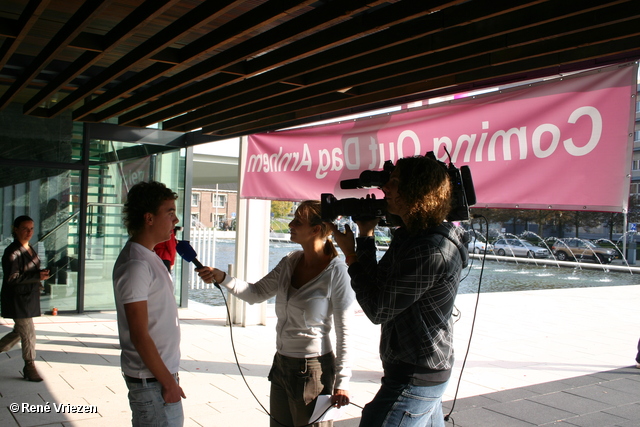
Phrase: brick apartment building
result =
(214, 207)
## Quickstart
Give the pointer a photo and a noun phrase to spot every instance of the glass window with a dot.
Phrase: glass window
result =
(195, 199)
(219, 200)
(109, 184)
(56, 139)
(54, 198)
(49, 197)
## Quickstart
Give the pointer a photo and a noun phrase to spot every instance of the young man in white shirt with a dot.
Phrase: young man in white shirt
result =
(148, 323)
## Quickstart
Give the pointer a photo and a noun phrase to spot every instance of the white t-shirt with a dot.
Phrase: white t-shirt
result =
(140, 275)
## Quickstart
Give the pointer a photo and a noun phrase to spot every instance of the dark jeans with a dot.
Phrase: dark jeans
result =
(295, 385)
(638, 355)
(401, 403)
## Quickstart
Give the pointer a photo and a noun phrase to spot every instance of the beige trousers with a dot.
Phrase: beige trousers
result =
(24, 331)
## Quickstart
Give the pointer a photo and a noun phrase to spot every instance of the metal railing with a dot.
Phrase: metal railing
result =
(203, 241)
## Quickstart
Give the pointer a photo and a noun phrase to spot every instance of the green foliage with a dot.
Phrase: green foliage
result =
(279, 225)
(280, 216)
(281, 209)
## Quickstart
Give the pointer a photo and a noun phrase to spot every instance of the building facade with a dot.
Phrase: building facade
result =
(72, 178)
(214, 207)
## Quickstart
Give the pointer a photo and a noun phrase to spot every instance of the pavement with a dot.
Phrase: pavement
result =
(562, 357)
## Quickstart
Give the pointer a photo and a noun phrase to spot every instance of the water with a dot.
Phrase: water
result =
(225, 255)
(497, 277)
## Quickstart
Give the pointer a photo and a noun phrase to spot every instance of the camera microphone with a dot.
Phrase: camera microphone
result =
(369, 179)
(350, 184)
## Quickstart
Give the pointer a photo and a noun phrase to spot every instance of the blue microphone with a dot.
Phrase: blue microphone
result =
(186, 251)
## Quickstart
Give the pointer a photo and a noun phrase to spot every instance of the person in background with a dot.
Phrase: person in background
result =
(20, 295)
(167, 250)
(148, 323)
(410, 292)
(312, 291)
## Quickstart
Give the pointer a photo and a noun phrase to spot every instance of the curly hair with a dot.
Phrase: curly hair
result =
(424, 187)
(144, 197)
(311, 210)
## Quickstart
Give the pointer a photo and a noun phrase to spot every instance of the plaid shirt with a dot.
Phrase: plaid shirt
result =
(411, 293)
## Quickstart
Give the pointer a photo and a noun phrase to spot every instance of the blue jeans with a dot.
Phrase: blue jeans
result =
(148, 408)
(399, 403)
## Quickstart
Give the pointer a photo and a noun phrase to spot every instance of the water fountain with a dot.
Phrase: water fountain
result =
(618, 249)
(628, 237)
(501, 252)
(497, 276)
(531, 233)
(584, 247)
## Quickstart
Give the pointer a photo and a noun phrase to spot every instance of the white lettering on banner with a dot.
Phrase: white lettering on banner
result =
(537, 137)
(442, 141)
(544, 141)
(483, 138)
(470, 140)
(506, 143)
(416, 143)
(337, 163)
(520, 135)
(306, 159)
(378, 156)
(596, 131)
(352, 144)
(373, 147)
(377, 151)
(255, 163)
(326, 160)
(134, 177)
(279, 162)
(283, 163)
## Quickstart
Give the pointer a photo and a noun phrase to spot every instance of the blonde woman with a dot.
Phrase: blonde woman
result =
(312, 293)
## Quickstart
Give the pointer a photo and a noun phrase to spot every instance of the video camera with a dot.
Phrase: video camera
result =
(369, 207)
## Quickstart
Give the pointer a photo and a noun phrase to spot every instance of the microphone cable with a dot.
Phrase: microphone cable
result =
(473, 321)
(235, 355)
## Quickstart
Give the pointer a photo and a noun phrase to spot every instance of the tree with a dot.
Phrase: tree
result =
(281, 209)
(612, 220)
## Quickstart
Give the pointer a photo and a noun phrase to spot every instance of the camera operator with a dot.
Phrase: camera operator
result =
(411, 293)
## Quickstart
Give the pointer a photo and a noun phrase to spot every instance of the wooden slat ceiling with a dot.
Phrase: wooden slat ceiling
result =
(240, 67)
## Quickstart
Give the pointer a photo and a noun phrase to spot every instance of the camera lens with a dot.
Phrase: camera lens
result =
(363, 208)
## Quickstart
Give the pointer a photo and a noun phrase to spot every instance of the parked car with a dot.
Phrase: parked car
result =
(477, 246)
(516, 247)
(382, 239)
(574, 249)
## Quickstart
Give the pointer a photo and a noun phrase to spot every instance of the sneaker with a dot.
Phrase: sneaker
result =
(638, 365)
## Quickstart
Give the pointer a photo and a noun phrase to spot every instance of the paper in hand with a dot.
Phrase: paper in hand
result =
(322, 403)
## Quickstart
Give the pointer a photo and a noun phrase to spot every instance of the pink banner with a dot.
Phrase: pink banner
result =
(563, 145)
